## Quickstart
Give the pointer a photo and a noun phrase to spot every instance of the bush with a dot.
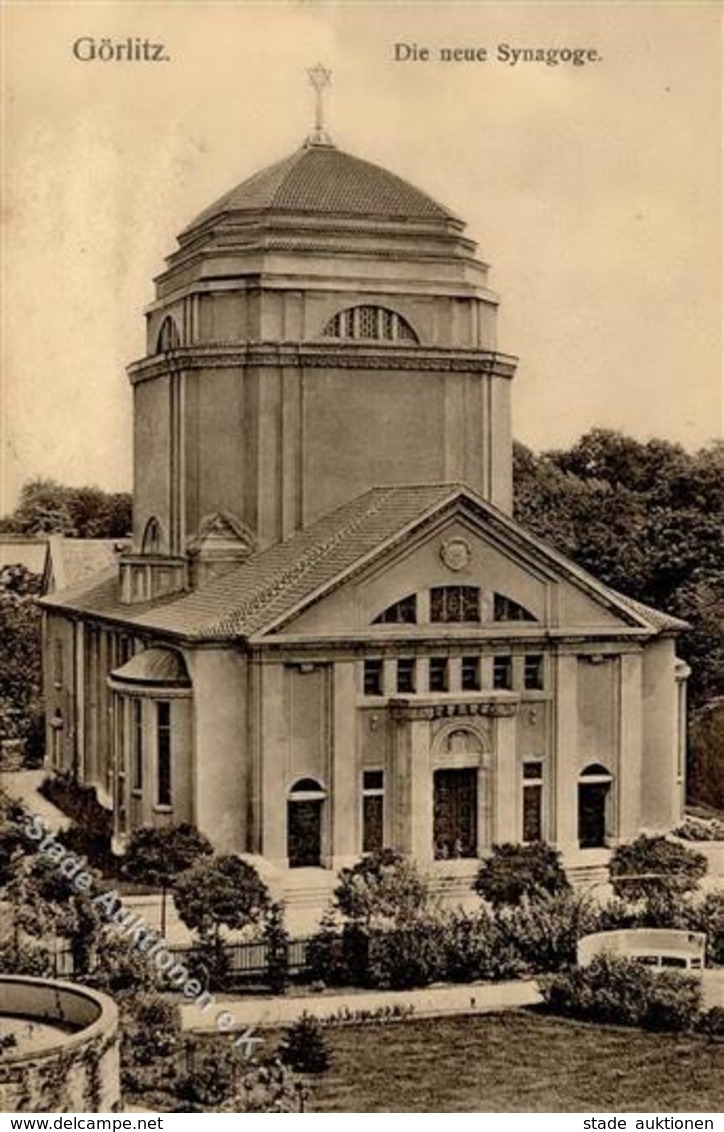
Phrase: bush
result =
(210, 963)
(544, 932)
(657, 875)
(615, 989)
(711, 1022)
(324, 955)
(304, 1048)
(707, 916)
(26, 959)
(151, 1027)
(476, 948)
(403, 958)
(213, 1077)
(269, 1087)
(120, 968)
(276, 939)
(383, 888)
(513, 872)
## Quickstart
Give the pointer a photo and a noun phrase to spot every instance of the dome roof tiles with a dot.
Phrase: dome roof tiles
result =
(323, 180)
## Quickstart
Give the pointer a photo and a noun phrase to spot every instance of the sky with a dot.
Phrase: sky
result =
(594, 193)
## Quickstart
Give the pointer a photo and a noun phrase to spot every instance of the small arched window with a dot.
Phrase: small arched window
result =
(377, 324)
(168, 336)
(505, 609)
(454, 603)
(403, 612)
(307, 789)
(596, 771)
(151, 543)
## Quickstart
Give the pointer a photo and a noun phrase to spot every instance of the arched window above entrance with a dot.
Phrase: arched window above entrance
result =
(596, 772)
(307, 789)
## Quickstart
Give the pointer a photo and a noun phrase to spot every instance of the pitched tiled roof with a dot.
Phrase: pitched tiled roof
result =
(73, 562)
(321, 179)
(271, 585)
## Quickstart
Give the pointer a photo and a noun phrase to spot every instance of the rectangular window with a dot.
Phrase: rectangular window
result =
(454, 603)
(533, 674)
(438, 679)
(163, 752)
(373, 677)
(137, 743)
(373, 811)
(406, 674)
(502, 672)
(533, 801)
(471, 674)
(58, 664)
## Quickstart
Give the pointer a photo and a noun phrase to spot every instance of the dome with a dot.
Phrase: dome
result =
(322, 180)
(159, 666)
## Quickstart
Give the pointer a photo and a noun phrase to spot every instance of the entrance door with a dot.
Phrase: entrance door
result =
(304, 833)
(592, 814)
(455, 813)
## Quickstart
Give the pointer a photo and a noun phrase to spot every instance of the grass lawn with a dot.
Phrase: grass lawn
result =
(517, 1061)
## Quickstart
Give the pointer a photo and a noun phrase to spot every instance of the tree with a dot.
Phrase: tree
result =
(645, 518)
(303, 1047)
(512, 872)
(157, 856)
(220, 891)
(276, 938)
(47, 903)
(384, 887)
(21, 711)
(47, 507)
(658, 874)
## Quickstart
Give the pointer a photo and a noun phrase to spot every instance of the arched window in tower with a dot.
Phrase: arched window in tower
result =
(168, 336)
(151, 543)
(375, 324)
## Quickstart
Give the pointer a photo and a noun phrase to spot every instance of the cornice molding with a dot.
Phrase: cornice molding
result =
(322, 356)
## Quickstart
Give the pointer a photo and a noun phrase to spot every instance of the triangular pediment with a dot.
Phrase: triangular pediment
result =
(461, 544)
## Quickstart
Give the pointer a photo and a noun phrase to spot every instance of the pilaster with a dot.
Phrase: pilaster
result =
(345, 840)
(566, 752)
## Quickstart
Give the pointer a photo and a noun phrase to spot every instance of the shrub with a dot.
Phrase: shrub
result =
(619, 990)
(212, 1079)
(120, 968)
(403, 958)
(26, 959)
(269, 1087)
(382, 888)
(711, 1022)
(707, 916)
(476, 948)
(657, 874)
(544, 932)
(210, 963)
(513, 872)
(304, 1048)
(324, 954)
(151, 1028)
(701, 829)
(276, 938)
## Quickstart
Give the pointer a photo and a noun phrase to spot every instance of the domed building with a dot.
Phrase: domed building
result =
(330, 635)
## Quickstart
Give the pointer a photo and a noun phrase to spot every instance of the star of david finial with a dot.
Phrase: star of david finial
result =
(320, 78)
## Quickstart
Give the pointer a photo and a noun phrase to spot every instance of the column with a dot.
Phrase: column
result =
(420, 791)
(344, 800)
(565, 749)
(505, 780)
(630, 755)
(274, 784)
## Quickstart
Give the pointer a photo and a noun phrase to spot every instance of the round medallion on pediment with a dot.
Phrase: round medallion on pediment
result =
(456, 553)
